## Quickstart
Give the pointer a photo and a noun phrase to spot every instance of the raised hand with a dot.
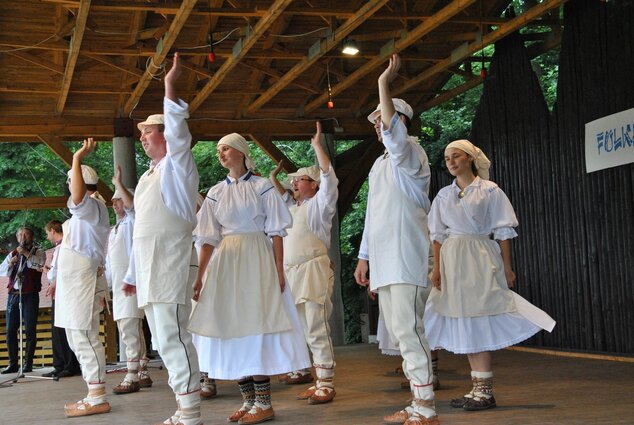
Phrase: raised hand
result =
(316, 139)
(87, 147)
(391, 71)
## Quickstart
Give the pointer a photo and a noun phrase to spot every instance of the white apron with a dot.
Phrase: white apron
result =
(306, 261)
(76, 287)
(122, 307)
(162, 246)
(398, 243)
(472, 279)
(241, 295)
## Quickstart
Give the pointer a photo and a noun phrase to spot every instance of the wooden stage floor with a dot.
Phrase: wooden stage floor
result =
(530, 389)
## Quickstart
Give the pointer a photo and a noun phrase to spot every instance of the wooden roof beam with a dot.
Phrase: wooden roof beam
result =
(159, 57)
(368, 9)
(272, 14)
(36, 203)
(27, 128)
(265, 143)
(278, 75)
(171, 8)
(502, 31)
(440, 17)
(73, 53)
(43, 63)
(66, 156)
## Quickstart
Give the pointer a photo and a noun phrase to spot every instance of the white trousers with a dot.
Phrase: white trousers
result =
(168, 323)
(403, 306)
(88, 348)
(314, 318)
(131, 330)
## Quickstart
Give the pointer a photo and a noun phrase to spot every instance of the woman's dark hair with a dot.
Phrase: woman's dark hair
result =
(408, 122)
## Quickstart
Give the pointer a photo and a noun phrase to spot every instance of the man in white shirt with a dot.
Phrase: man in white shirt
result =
(81, 288)
(396, 243)
(125, 310)
(23, 267)
(308, 271)
(164, 264)
(65, 362)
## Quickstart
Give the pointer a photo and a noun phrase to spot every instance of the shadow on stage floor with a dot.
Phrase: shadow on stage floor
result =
(530, 388)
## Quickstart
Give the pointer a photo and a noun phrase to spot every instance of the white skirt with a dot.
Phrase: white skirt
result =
(465, 335)
(264, 354)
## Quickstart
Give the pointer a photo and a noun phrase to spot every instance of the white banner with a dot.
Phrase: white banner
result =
(610, 141)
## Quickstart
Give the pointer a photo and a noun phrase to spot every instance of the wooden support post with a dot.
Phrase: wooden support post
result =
(337, 329)
(123, 150)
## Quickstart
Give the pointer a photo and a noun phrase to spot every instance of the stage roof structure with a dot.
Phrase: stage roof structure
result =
(77, 68)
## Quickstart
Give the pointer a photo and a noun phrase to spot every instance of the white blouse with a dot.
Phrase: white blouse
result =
(247, 205)
(484, 210)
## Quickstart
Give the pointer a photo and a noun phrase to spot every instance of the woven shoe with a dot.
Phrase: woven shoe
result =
(295, 378)
(322, 395)
(81, 408)
(127, 387)
(479, 403)
(144, 379)
(417, 419)
(397, 417)
(238, 414)
(306, 394)
(257, 415)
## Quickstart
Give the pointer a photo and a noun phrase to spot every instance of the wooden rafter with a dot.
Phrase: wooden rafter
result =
(257, 78)
(159, 57)
(44, 63)
(265, 143)
(136, 24)
(27, 128)
(426, 27)
(171, 8)
(502, 31)
(272, 14)
(367, 10)
(66, 156)
(73, 53)
(36, 203)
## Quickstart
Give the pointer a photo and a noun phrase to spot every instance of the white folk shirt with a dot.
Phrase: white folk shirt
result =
(484, 210)
(178, 173)
(51, 275)
(247, 205)
(117, 261)
(306, 261)
(81, 252)
(395, 237)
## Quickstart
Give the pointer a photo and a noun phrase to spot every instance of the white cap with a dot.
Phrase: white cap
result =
(117, 193)
(399, 104)
(313, 172)
(88, 173)
(151, 120)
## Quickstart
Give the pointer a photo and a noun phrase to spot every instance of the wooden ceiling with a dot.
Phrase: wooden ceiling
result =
(71, 67)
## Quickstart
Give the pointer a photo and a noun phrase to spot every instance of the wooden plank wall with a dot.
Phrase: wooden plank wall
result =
(575, 253)
(44, 351)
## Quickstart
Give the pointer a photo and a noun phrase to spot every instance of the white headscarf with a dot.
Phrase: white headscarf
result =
(480, 160)
(239, 143)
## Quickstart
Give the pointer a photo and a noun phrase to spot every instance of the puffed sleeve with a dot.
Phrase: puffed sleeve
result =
(437, 228)
(278, 217)
(208, 231)
(502, 216)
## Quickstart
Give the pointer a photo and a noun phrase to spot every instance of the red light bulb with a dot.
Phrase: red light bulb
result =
(483, 73)
(211, 56)
(331, 104)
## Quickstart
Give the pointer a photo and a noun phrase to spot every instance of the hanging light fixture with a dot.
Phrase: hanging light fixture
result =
(350, 47)
(211, 56)
(330, 103)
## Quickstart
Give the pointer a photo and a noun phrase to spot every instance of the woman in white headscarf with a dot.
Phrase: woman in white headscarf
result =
(243, 306)
(471, 309)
